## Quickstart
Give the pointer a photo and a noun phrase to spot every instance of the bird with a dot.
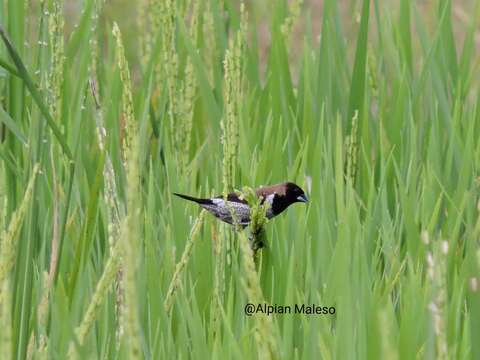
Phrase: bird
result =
(278, 198)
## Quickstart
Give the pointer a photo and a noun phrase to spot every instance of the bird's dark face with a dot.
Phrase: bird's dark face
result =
(294, 193)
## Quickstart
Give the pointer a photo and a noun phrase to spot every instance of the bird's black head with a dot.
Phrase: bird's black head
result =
(294, 193)
(281, 196)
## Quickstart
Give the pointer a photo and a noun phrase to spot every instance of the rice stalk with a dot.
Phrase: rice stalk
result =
(265, 333)
(114, 206)
(98, 298)
(352, 150)
(155, 21)
(211, 48)
(130, 156)
(131, 245)
(8, 258)
(170, 64)
(44, 304)
(218, 279)
(258, 219)
(144, 32)
(93, 41)
(181, 91)
(187, 252)
(127, 98)
(294, 10)
(189, 87)
(436, 272)
(56, 25)
(233, 95)
(8, 248)
(110, 186)
(6, 343)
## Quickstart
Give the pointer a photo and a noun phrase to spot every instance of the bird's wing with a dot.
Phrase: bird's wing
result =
(223, 210)
(232, 197)
(235, 197)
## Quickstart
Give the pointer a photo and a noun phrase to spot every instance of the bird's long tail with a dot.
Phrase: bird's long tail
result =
(198, 201)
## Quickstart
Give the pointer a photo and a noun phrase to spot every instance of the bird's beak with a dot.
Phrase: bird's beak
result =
(302, 198)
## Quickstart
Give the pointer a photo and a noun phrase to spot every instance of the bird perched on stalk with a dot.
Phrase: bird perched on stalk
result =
(277, 197)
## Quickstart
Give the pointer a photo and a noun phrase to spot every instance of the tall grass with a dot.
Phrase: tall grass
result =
(373, 106)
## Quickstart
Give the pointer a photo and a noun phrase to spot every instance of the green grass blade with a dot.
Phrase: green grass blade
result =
(22, 70)
(357, 86)
(12, 126)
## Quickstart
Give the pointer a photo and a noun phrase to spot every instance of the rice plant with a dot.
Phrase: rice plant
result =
(108, 107)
